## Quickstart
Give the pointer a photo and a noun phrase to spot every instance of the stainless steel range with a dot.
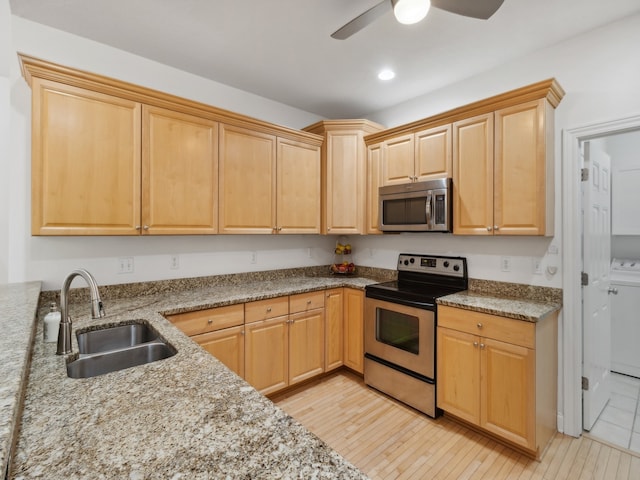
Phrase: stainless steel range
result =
(400, 319)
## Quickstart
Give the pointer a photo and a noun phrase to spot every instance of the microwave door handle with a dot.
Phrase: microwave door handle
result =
(428, 210)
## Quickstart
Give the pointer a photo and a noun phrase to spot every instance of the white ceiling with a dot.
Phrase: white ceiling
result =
(281, 49)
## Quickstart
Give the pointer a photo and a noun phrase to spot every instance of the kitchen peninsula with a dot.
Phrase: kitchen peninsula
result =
(186, 416)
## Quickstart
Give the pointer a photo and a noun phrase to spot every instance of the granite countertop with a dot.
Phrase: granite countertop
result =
(531, 310)
(186, 416)
(18, 305)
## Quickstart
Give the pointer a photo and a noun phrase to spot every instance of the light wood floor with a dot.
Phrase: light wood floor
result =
(388, 440)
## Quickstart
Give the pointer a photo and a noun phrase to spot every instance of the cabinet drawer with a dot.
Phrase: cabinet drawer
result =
(203, 321)
(265, 309)
(508, 330)
(306, 301)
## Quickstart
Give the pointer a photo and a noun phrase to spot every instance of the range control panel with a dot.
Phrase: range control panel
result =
(437, 265)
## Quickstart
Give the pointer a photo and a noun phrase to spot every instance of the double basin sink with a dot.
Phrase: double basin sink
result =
(117, 347)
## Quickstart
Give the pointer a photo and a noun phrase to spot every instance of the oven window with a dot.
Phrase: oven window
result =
(398, 330)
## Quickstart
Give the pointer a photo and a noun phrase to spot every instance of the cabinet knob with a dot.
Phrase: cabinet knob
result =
(138, 227)
(268, 309)
(308, 302)
(146, 227)
(496, 227)
(482, 345)
(488, 228)
(210, 321)
(241, 332)
(479, 325)
(475, 344)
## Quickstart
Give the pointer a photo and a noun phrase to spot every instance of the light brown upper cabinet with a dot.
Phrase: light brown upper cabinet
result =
(417, 156)
(374, 181)
(267, 184)
(86, 162)
(344, 174)
(112, 158)
(503, 172)
(179, 173)
(103, 165)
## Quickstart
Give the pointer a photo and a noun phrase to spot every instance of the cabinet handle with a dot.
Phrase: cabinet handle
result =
(475, 344)
(482, 345)
(479, 325)
(488, 228)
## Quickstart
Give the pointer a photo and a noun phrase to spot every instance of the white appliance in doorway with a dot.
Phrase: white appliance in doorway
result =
(625, 316)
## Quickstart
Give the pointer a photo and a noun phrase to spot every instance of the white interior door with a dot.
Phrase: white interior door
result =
(596, 255)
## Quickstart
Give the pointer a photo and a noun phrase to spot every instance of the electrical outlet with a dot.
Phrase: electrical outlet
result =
(537, 266)
(254, 257)
(505, 264)
(125, 265)
(174, 262)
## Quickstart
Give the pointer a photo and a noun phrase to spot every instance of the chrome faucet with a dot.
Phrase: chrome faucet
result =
(97, 310)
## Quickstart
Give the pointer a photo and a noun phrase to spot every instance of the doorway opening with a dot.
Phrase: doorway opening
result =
(578, 252)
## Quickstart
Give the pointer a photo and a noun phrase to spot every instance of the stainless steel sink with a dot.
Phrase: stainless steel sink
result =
(115, 348)
(92, 365)
(112, 338)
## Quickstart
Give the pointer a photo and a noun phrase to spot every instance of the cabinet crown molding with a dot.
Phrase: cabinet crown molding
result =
(548, 89)
(35, 67)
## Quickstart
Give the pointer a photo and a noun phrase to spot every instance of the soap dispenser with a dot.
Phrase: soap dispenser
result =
(52, 323)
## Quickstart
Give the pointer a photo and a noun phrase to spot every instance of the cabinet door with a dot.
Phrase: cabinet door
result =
(85, 162)
(458, 389)
(354, 329)
(374, 181)
(227, 345)
(247, 181)
(306, 345)
(398, 160)
(334, 331)
(298, 187)
(473, 176)
(521, 171)
(179, 173)
(267, 354)
(433, 153)
(344, 171)
(507, 391)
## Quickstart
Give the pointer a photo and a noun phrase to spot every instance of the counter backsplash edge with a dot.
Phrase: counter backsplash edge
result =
(132, 290)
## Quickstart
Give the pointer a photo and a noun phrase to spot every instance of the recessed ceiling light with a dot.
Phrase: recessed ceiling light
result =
(386, 74)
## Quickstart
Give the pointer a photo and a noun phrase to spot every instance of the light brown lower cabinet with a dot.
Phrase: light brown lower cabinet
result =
(499, 374)
(334, 329)
(278, 342)
(354, 329)
(220, 331)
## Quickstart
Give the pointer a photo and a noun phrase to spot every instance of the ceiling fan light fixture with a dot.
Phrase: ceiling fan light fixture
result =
(408, 12)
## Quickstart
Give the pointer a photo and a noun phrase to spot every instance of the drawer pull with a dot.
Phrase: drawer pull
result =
(210, 321)
(268, 309)
(308, 302)
(479, 325)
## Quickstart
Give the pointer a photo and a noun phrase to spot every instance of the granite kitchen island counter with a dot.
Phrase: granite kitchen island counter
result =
(186, 416)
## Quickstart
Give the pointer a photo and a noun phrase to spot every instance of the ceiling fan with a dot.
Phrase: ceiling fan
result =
(412, 11)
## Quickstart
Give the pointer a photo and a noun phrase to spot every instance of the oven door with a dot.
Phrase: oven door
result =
(401, 335)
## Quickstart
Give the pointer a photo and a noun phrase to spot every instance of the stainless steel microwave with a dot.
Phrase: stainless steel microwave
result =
(416, 207)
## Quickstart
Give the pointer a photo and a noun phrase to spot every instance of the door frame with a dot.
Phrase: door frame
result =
(571, 387)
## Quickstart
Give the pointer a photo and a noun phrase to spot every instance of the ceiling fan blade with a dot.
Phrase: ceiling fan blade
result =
(362, 21)
(482, 9)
